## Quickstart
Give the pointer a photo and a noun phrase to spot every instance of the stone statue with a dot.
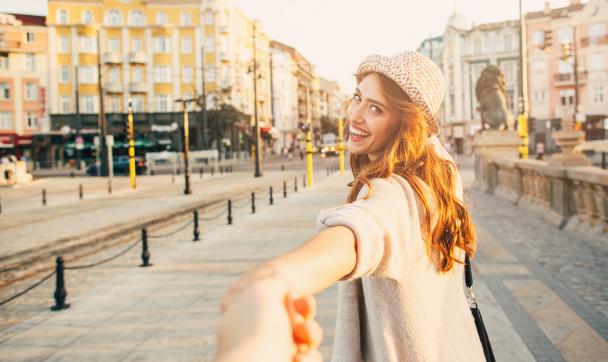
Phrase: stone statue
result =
(490, 94)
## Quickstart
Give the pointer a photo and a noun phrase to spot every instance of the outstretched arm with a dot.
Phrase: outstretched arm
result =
(315, 265)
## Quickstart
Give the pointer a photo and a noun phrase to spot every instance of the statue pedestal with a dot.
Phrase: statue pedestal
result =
(567, 139)
(491, 143)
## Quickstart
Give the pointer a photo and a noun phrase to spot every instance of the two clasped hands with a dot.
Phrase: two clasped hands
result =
(263, 321)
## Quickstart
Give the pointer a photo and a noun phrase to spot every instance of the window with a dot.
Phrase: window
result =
(114, 18)
(114, 104)
(136, 45)
(565, 35)
(87, 17)
(30, 61)
(87, 74)
(161, 18)
(138, 103)
(185, 18)
(209, 44)
(187, 74)
(598, 94)
(507, 70)
(6, 120)
(5, 91)
(62, 16)
(186, 45)
(566, 97)
(88, 103)
(31, 120)
(137, 18)
(137, 74)
(564, 67)
(538, 37)
(477, 46)
(162, 103)
(114, 75)
(113, 44)
(209, 18)
(64, 44)
(31, 91)
(64, 74)
(29, 37)
(162, 74)
(88, 44)
(509, 99)
(161, 44)
(65, 104)
(4, 64)
(596, 61)
(506, 42)
(596, 30)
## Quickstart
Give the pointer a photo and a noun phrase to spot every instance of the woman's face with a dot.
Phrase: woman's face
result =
(372, 121)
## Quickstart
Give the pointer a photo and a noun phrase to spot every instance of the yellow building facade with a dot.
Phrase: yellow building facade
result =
(151, 53)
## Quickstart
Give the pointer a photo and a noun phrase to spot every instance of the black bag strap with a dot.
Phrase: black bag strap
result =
(468, 273)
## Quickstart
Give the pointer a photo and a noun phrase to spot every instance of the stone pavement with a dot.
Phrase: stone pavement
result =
(170, 310)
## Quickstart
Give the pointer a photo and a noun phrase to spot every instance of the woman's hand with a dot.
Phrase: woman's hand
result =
(263, 323)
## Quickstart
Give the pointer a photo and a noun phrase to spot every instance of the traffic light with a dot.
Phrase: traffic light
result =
(548, 39)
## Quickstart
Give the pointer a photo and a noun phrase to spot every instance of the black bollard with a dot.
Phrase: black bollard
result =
(173, 176)
(282, 167)
(229, 212)
(145, 252)
(196, 231)
(200, 172)
(269, 193)
(109, 186)
(60, 292)
(72, 174)
(284, 189)
(80, 191)
(295, 184)
(303, 181)
(253, 202)
(43, 197)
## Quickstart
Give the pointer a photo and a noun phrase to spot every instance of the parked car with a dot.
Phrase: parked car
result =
(121, 166)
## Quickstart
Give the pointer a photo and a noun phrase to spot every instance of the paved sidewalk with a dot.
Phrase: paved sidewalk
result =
(170, 310)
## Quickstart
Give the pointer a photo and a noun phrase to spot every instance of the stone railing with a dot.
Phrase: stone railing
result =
(575, 197)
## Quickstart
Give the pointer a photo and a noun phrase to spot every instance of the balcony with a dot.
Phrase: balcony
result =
(137, 58)
(9, 45)
(564, 111)
(594, 40)
(138, 87)
(112, 58)
(568, 78)
(112, 87)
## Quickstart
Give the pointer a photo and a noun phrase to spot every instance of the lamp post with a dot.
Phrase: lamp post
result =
(184, 102)
(522, 118)
(257, 173)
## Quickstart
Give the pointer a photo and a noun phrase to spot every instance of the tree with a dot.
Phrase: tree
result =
(328, 125)
(222, 121)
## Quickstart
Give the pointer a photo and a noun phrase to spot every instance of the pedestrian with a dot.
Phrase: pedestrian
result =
(399, 243)
(540, 150)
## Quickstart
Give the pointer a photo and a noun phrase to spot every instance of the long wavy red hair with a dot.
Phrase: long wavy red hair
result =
(411, 157)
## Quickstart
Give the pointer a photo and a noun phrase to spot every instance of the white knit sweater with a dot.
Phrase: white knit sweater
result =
(395, 305)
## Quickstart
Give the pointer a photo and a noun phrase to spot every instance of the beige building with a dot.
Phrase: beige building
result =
(23, 82)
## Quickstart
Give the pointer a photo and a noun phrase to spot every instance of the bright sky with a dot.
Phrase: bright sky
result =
(336, 35)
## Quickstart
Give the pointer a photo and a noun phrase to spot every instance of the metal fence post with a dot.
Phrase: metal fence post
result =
(229, 212)
(196, 230)
(43, 197)
(295, 184)
(253, 202)
(269, 193)
(60, 292)
(80, 191)
(145, 252)
(284, 189)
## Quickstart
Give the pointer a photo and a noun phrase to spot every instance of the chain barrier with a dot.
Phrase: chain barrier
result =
(86, 266)
(172, 232)
(28, 288)
(215, 217)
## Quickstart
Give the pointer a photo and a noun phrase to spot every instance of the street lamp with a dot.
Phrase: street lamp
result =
(257, 173)
(184, 102)
(522, 118)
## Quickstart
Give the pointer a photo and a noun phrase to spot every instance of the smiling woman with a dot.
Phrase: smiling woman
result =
(400, 241)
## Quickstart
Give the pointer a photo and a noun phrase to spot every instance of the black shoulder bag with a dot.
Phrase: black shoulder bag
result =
(481, 330)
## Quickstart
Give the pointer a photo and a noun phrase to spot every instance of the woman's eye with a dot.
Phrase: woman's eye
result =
(356, 97)
(374, 109)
